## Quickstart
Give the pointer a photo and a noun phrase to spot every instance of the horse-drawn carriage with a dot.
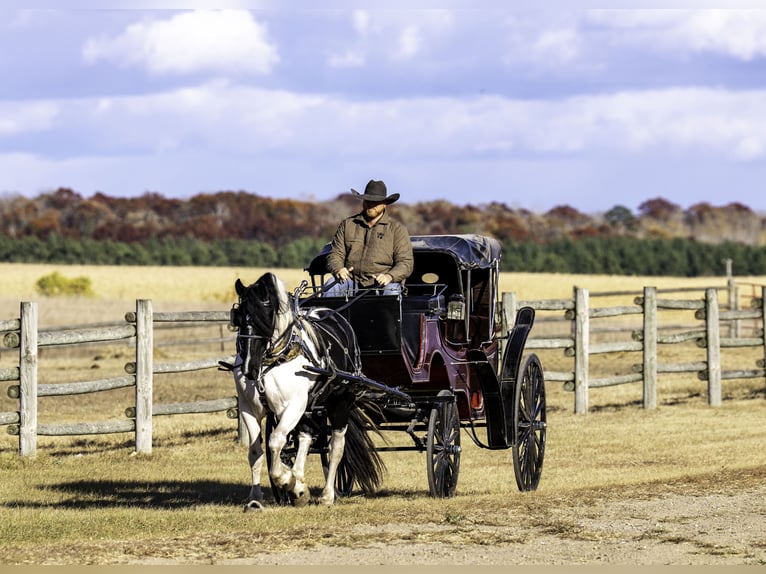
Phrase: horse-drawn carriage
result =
(428, 361)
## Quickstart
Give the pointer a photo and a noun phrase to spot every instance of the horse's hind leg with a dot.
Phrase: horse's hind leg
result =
(335, 454)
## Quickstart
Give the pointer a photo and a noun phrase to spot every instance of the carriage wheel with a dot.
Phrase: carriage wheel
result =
(288, 458)
(529, 425)
(443, 447)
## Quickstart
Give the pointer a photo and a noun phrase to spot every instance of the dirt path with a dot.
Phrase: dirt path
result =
(671, 530)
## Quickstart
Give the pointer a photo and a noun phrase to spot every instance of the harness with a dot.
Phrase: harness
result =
(292, 342)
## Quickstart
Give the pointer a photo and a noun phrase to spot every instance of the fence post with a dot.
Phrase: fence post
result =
(582, 349)
(763, 323)
(507, 318)
(713, 348)
(144, 368)
(650, 348)
(733, 299)
(28, 380)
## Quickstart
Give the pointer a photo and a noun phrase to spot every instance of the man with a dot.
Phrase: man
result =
(370, 249)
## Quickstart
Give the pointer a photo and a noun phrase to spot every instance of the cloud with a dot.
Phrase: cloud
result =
(348, 59)
(549, 42)
(409, 43)
(26, 117)
(397, 35)
(360, 20)
(739, 34)
(247, 121)
(225, 41)
(561, 45)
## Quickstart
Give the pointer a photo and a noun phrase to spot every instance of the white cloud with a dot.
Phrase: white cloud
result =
(210, 41)
(559, 45)
(396, 34)
(739, 34)
(348, 59)
(245, 121)
(543, 42)
(360, 20)
(23, 117)
(410, 42)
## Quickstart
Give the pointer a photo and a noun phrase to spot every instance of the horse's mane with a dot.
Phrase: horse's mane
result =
(337, 338)
(266, 302)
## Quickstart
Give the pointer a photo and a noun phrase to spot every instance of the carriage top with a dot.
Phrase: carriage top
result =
(470, 251)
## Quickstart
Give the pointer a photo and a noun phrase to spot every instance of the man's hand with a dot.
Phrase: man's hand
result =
(343, 274)
(383, 279)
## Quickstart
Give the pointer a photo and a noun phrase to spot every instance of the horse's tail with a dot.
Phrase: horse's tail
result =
(361, 460)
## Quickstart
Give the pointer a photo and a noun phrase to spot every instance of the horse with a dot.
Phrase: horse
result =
(276, 341)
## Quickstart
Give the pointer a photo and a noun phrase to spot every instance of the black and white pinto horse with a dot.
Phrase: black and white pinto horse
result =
(275, 341)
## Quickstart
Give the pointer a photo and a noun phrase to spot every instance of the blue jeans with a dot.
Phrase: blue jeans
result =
(349, 287)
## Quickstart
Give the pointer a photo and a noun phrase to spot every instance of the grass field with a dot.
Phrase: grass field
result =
(90, 500)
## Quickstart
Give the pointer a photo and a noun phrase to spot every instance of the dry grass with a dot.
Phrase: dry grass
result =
(90, 500)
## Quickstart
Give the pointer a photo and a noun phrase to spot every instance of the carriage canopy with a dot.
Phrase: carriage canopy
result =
(469, 251)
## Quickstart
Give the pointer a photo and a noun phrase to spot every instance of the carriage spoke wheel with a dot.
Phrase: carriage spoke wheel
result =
(443, 447)
(281, 497)
(529, 425)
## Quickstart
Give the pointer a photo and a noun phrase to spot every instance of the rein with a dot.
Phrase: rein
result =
(319, 330)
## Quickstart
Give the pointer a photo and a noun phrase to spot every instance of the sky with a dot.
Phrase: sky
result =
(534, 108)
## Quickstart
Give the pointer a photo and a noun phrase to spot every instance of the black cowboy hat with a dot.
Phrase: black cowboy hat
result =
(376, 192)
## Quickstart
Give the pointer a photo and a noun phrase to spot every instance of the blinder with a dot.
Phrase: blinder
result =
(235, 316)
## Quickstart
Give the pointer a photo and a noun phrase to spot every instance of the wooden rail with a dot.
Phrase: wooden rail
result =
(139, 329)
(646, 340)
(140, 326)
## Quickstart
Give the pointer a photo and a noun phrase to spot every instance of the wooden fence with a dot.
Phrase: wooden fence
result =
(646, 340)
(140, 325)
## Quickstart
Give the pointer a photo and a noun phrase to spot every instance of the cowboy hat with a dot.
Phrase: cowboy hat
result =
(375, 192)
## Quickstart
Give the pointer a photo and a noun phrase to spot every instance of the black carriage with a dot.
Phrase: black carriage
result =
(434, 360)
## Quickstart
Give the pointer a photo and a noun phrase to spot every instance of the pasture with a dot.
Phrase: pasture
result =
(681, 484)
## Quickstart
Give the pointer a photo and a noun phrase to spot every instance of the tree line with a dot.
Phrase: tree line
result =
(592, 255)
(245, 229)
(278, 222)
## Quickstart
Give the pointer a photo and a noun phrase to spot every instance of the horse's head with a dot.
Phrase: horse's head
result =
(255, 318)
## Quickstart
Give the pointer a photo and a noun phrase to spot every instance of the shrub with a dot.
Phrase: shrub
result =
(54, 285)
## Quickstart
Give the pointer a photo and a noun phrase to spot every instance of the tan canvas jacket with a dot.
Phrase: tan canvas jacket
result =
(383, 248)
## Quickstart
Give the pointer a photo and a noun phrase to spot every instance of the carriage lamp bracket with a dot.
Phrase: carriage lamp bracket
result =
(456, 307)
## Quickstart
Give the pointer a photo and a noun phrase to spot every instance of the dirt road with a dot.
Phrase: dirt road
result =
(672, 529)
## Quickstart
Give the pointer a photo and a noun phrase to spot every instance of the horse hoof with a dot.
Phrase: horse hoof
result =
(300, 499)
(253, 506)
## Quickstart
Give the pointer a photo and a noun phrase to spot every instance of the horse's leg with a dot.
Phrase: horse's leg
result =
(255, 458)
(252, 413)
(335, 454)
(299, 493)
(281, 474)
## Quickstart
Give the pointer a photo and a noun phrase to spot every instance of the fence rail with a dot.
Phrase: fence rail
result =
(139, 330)
(140, 326)
(647, 340)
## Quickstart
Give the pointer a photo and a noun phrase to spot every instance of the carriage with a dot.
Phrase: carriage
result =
(430, 362)
(434, 361)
